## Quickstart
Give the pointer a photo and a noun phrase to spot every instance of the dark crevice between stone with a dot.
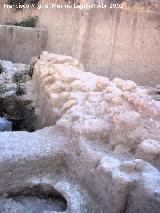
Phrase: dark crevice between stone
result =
(20, 112)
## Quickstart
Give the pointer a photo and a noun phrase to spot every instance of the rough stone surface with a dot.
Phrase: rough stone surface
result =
(102, 154)
(16, 41)
(109, 42)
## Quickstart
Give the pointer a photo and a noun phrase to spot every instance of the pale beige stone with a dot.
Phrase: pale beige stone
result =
(68, 105)
(149, 149)
(101, 84)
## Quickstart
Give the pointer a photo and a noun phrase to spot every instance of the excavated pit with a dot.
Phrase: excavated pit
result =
(16, 104)
(36, 199)
(20, 112)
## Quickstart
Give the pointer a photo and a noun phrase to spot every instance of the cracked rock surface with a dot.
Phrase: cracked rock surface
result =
(102, 149)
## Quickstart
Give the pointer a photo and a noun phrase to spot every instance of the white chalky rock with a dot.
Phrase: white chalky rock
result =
(69, 104)
(149, 149)
(92, 128)
(129, 119)
(125, 85)
(102, 83)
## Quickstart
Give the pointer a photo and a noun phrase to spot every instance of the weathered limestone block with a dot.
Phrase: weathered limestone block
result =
(149, 150)
(102, 83)
(125, 85)
(68, 105)
(92, 128)
(129, 119)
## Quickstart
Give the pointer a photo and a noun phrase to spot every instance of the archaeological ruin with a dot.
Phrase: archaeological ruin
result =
(80, 107)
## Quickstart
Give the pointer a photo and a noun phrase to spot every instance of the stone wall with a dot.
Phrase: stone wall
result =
(109, 42)
(20, 43)
(123, 43)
